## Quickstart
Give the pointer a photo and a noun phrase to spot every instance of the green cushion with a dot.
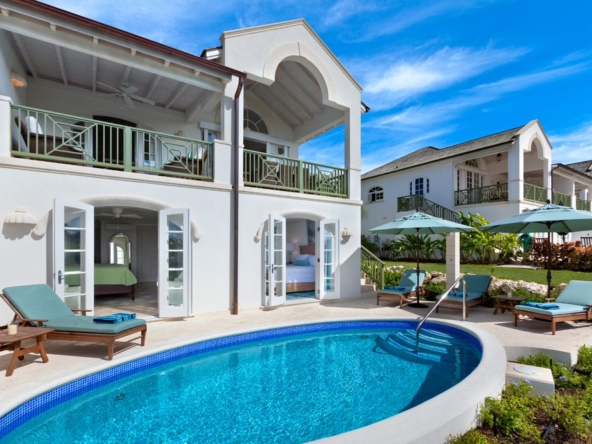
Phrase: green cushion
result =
(37, 302)
(564, 309)
(577, 292)
(476, 283)
(85, 324)
(404, 290)
(409, 278)
(455, 298)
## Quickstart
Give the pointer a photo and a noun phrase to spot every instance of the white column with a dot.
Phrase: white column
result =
(452, 258)
(353, 147)
(6, 125)
(515, 172)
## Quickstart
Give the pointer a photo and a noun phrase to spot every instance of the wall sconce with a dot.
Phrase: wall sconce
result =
(499, 157)
(346, 234)
(20, 216)
(17, 79)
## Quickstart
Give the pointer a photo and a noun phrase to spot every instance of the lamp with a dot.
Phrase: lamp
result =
(290, 249)
(17, 79)
(20, 216)
(346, 234)
(499, 157)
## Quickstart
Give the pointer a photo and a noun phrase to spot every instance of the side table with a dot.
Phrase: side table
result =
(13, 342)
(505, 302)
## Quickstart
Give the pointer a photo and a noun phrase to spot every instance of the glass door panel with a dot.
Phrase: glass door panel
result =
(174, 283)
(275, 261)
(74, 254)
(328, 272)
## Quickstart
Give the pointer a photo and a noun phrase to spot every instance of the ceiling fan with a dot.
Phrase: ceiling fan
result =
(127, 93)
(118, 213)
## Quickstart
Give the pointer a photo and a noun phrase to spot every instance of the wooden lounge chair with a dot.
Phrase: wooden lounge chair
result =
(39, 306)
(408, 287)
(477, 291)
(573, 304)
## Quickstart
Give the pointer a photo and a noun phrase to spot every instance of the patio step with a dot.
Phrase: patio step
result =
(367, 288)
(433, 346)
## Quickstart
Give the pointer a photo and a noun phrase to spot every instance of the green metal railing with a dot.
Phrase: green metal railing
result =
(491, 193)
(284, 173)
(534, 193)
(583, 205)
(420, 203)
(561, 199)
(63, 138)
(373, 267)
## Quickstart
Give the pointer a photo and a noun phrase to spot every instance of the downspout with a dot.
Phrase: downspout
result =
(235, 196)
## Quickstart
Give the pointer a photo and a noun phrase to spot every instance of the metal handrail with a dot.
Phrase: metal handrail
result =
(436, 306)
(373, 267)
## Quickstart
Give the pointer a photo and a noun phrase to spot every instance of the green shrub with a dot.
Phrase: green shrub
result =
(471, 437)
(568, 411)
(563, 376)
(392, 277)
(584, 364)
(538, 360)
(433, 289)
(513, 413)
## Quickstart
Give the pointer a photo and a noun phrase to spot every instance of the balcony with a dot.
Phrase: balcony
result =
(561, 199)
(492, 193)
(62, 138)
(534, 193)
(583, 205)
(277, 172)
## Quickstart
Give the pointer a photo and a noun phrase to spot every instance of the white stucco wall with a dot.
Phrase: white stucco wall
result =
(9, 62)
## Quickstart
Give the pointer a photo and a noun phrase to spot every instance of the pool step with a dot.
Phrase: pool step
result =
(433, 346)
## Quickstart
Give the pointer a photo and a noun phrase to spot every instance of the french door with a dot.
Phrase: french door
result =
(328, 269)
(174, 267)
(275, 261)
(73, 236)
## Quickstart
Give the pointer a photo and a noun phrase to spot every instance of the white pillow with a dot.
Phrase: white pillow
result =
(32, 125)
(302, 257)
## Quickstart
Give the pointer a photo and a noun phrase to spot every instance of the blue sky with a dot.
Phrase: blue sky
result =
(434, 72)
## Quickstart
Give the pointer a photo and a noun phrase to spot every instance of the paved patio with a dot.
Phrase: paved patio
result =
(69, 360)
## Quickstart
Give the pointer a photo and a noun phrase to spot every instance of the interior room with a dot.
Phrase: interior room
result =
(301, 260)
(126, 250)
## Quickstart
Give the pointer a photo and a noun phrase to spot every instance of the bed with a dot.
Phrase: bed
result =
(302, 277)
(114, 279)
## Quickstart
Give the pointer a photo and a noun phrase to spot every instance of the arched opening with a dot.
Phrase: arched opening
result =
(120, 250)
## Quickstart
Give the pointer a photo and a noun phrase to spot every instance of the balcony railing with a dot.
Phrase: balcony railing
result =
(561, 199)
(63, 138)
(534, 193)
(492, 193)
(583, 205)
(284, 173)
(418, 202)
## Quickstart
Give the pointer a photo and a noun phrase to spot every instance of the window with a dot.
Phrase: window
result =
(472, 163)
(419, 186)
(254, 122)
(427, 186)
(375, 194)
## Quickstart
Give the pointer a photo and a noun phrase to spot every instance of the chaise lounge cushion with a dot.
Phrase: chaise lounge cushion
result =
(577, 293)
(563, 309)
(477, 286)
(40, 302)
(85, 324)
(458, 296)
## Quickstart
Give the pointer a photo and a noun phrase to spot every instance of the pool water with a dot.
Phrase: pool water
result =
(291, 389)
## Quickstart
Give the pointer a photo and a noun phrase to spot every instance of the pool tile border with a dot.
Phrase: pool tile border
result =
(52, 398)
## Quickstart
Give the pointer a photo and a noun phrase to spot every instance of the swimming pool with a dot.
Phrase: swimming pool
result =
(290, 384)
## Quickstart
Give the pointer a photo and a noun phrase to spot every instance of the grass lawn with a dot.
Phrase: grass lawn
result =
(513, 274)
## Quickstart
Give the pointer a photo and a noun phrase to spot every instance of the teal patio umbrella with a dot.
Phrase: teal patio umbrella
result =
(548, 218)
(420, 223)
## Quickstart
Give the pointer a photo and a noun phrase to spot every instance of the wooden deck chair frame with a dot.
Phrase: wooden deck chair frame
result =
(103, 338)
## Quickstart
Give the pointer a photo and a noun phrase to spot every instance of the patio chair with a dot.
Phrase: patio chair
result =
(477, 291)
(408, 287)
(573, 304)
(39, 306)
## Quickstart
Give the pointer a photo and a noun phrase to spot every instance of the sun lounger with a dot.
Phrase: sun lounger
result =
(573, 304)
(477, 291)
(407, 287)
(41, 307)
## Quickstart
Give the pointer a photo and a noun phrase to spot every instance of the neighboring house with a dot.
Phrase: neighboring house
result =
(127, 151)
(496, 176)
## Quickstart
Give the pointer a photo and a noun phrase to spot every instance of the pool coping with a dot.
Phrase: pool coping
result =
(379, 432)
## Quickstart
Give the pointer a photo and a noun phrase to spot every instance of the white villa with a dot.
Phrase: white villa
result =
(496, 176)
(184, 169)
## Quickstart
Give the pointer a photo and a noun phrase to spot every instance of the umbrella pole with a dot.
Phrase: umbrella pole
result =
(417, 303)
(549, 276)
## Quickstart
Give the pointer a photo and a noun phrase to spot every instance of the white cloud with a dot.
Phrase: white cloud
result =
(573, 146)
(389, 85)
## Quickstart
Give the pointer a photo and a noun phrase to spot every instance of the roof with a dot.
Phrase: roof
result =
(584, 167)
(431, 154)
